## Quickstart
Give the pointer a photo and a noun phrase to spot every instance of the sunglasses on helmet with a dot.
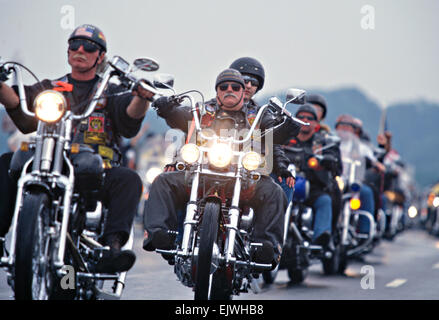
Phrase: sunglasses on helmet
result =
(254, 82)
(235, 87)
(88, 46)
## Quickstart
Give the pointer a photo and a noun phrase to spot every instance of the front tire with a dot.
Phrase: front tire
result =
(208, 235)
(297, 276)
(33, 276)
(331, 265)
(270, 275)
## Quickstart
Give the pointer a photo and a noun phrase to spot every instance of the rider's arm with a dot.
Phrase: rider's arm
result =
(140, 104)
(24, 123)
(176, 116)
(283, 133)
(8, 97)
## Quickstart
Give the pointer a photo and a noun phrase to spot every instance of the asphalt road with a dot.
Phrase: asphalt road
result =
(407, 268)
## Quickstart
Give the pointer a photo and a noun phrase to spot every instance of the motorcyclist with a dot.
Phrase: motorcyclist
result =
(394, 165)
(168, 192)
(348, 123)
(115, 117)
(299, 150)
(253, 74)
(321, 107)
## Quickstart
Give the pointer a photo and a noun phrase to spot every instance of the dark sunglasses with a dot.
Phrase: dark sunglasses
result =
(87, 45)
(235, 87)
(306, 118)
(252, 80)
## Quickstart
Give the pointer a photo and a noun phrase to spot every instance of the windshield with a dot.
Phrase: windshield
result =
(353, 153)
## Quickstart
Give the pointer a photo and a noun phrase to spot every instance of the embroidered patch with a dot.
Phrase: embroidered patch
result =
(96, 124)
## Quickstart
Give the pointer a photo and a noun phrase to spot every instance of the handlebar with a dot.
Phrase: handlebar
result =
(274, 103)
(116, 67)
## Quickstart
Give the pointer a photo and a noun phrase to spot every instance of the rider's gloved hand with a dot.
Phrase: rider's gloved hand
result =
(329, 161)
(284, 173)
(163, 105)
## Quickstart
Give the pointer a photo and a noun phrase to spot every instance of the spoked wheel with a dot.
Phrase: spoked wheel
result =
(33, 275)
(208, 235)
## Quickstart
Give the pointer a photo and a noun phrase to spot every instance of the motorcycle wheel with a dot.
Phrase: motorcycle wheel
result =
(297, 276)
(208, 235)
(33, 276)
(270, 276)
(221, 285)
(331, 265)
(343, 262)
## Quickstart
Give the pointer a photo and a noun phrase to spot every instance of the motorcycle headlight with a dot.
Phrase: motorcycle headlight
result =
(251, 160)
(190, 153)
(355, 204)
(50, 106)
(220, 155)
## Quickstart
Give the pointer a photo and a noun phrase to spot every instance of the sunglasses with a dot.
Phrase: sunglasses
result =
(235, 87)
(254, 82)
(306, 118)
(86, 44)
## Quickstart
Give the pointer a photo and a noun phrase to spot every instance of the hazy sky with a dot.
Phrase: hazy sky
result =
(313, 43)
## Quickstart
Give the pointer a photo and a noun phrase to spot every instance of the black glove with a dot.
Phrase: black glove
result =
(3, 74)
(283, 172)
(329, 162)
(164, 105)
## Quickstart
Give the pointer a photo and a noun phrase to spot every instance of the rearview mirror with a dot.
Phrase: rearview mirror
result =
(164, 81)
(146, 64)
(296, 96)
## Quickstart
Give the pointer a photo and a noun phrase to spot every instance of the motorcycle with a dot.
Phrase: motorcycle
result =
(214, 256)
(298, 252)
(57, 219)
(395, 201)
(350, 183)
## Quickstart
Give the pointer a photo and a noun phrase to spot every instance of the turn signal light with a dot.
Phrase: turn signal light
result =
(313, 163)
(74, 148)
(24, 146)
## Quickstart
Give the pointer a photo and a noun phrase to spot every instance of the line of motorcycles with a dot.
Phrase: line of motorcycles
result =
(349, 243)
(57, 219)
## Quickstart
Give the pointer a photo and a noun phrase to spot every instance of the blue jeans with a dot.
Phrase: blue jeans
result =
(288, 191)
(367, 204)
(322, 215)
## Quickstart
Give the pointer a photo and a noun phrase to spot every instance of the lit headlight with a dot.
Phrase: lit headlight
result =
(152, 173)
(50, 106)
(355, 204)
(251, 161)
(190, 153)
(220, 155)
(413, 212)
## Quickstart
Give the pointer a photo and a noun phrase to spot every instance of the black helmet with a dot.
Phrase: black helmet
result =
(317, 99)
(307, 108)
(229, 75)
(90, 32)
(250, 66)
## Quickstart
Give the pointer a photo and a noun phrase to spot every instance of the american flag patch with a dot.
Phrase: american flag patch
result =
(84, 31)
